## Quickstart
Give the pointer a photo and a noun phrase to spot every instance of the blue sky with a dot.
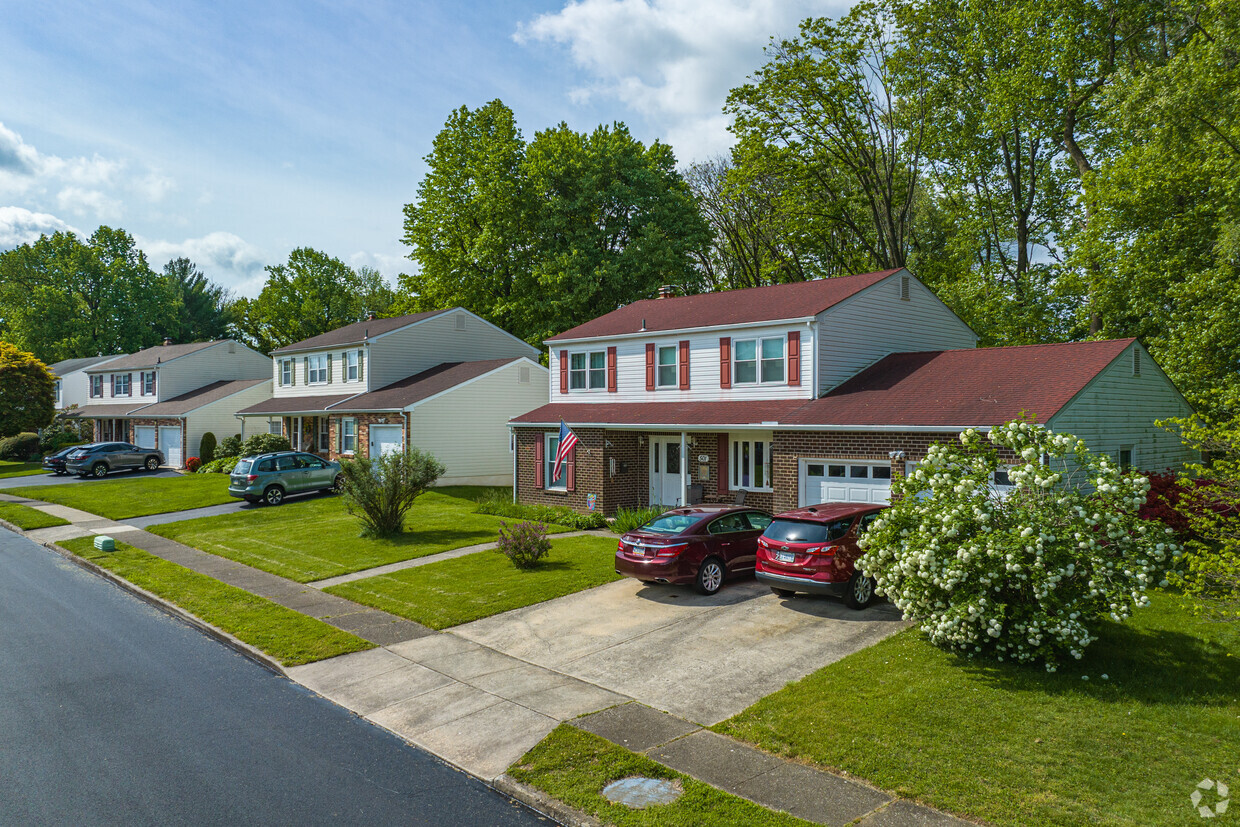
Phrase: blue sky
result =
(234, 132)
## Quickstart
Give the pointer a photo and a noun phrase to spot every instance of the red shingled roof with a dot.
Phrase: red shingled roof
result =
(755, 304)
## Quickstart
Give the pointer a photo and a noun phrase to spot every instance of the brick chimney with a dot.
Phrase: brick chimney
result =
(167, 341)
(665, 292)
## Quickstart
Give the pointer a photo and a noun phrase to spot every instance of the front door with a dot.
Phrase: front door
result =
(665, 471)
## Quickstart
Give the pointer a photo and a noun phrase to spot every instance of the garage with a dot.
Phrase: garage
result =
(386, 439)
(170, 444)
(844, 480)
(144, 436)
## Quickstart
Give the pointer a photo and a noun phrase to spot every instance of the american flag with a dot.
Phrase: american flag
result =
(567, 440)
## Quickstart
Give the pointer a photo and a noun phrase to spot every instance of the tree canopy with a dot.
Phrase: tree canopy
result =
(27, 392)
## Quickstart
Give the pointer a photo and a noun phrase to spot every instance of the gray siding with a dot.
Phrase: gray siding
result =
(437, 340)
(1118, 409)
(225, 361)
(876, 322)
(219, 417)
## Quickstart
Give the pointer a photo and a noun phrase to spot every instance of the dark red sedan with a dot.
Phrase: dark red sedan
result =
(814, 550)
(700, 544)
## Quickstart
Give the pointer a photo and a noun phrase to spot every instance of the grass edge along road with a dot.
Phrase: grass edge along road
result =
(27, 518)
(134, 496)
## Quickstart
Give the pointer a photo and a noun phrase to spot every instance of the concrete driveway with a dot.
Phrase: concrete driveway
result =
(702, 658)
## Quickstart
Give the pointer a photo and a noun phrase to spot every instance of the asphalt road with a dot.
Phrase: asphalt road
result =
(111, 712)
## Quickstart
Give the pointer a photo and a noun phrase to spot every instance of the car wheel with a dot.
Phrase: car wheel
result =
(783, 592)
(710, 575)
(860, 591)
(274, 495)
(99, 470)
(338, 483)
(152, 464)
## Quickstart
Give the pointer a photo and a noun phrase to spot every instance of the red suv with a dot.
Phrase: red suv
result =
(814, 550)
(700, 544)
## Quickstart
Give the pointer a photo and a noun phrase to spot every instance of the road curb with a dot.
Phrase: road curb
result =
(542, 803)
(241, 647)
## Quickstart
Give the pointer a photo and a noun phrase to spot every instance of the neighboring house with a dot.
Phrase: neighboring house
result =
(446, 381)
(72, 383)
(811, 392)
(167, 397)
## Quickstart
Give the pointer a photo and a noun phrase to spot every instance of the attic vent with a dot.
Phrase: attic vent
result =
(460, 321)
(523, 374)
(232, 346)
(904, 288)
(1136, 362)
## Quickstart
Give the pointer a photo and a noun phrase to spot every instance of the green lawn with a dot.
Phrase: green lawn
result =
(457, 591)
(8, 468)
(574, 766)
(1019, 746)
(134, 496)
(290, 637)
(314, 539)
(25, 517)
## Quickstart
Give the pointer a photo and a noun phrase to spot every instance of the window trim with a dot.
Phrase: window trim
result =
(351, 364)
(59, 392)
(551, 442)
(96, 386)
(1131, 448)
(737, 468)
(759, 359)
(312, 371)
(586, 373)
(117, 379)
(143, 390)
(348, 423)
(287, 365)
(674, 366)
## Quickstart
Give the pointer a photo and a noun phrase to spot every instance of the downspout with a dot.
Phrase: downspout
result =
(512, 440)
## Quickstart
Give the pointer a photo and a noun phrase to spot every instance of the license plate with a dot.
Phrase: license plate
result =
(639, 552)
(785, 556)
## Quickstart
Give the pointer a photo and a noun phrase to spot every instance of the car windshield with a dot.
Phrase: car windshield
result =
(671, 523)
(797, 531)
(242, 467)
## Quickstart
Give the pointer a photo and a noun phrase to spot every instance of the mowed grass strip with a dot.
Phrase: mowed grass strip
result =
(134, 496)
(452, 592)
(314, 539)
(574, 766)
(290, 637)
(26, 518)
(1019, 746)
(8, 468)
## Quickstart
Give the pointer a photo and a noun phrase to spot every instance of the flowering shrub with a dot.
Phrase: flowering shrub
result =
(192, 464)
(524, 543)
(1020, 576)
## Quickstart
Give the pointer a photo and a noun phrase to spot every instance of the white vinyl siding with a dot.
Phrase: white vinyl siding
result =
(859, 331)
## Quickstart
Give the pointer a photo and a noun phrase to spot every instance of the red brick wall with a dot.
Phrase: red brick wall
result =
(186, 453)
(364, 421)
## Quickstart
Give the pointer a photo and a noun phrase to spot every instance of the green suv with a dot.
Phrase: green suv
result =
(269, 478)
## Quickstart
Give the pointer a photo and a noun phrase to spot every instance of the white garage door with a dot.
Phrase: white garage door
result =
(144, 436)
(170, 444)
(844, 481)
(385, 439)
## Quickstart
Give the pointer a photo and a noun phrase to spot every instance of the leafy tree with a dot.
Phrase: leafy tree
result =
(27, 392)
(379, 491)
(1026, 576)
(61, 298)
(202, 307)
(310, 295)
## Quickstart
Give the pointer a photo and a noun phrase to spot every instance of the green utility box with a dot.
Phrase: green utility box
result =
(105, 543)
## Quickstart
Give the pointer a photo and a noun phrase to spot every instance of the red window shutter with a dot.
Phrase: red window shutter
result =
(650, 367)
(722, 482)
(725, 362)
(611, 370)
(563, 371)
(794, 357)
(570, 473)
(540, 464)
(684, 364)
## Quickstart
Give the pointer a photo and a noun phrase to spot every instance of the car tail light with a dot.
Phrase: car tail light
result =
(762, 542)
(620, 546)
(670, 551)
(251, 478)
(822, 551)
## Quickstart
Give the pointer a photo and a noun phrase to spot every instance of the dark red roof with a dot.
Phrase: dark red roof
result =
(985, 386)
(755, 304)
(666, 414)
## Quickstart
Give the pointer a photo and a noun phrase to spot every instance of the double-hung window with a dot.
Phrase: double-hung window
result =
(96, 387)
(350, 365)
(148, 383)
(286, 371)
(317, 369)
(120, 384)
(551, 447)
(751, 464)
(667, 367)
(348, 435)
(758, 361)
(587, 371)
(57, 393)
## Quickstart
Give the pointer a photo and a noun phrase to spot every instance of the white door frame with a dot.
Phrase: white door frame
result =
(667, 488)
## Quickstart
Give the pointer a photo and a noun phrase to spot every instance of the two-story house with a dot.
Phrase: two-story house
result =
(168, 396)
(811, 392)
(446, 381)
(72, 383)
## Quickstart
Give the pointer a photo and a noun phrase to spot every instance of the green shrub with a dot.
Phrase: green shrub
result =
(64, 432)
(524, 543)
(264, 444)
(557, 514)
(206, 448)
(628, 519)
(21, 447)
(222, 465)
(230, 446)
(379, 492)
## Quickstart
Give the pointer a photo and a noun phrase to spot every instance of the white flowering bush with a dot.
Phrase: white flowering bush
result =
(1020, 574)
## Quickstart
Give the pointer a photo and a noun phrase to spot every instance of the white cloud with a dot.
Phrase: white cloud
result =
(21, 226)
(390, 266)
(673, 61)
(226, 259)
(82, 201)
(16, 156)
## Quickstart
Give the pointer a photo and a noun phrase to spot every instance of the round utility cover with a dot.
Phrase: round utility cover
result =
(639, 793)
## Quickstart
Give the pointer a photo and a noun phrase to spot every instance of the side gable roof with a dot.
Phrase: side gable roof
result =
(68, 366)
(358, 332)
(420, 386)
(774, 303)
(152, 356)
(195, 399)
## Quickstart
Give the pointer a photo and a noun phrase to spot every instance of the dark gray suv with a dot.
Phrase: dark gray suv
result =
(100, 458)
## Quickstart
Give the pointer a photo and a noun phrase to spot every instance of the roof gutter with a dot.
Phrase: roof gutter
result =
(757, 426)
(645, 334)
